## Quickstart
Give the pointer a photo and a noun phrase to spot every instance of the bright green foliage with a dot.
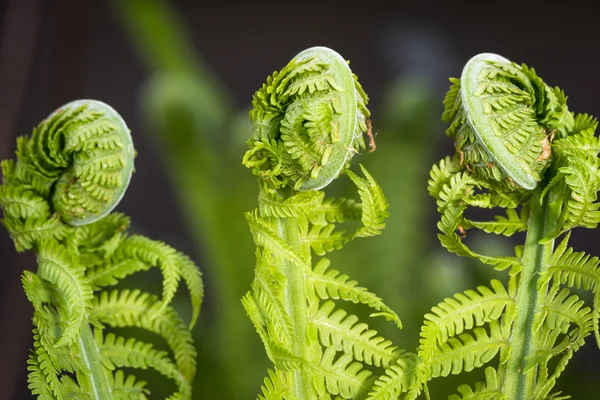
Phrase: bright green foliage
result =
(501, 117)
(319, 349)
(56, 200)
(488, 390)
(308, 120)
(521, 150)
(198, 128)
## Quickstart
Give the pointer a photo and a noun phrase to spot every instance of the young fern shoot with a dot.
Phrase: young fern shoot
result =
(308, 122)
(56, 199)
(518, 149)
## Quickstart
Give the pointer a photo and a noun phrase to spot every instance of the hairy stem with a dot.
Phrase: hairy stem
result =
(95, 380)
(296, 304)
(536, 257)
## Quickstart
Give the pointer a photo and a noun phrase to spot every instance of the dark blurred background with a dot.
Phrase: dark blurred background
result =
(55, 51)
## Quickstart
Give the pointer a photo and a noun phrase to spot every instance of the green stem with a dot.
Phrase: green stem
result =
(536, 257)
(95, 380)
(296, 304)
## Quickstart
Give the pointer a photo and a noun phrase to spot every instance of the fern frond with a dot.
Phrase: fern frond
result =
(440, 176)
(584, 122)
(453, 200)
(342, 376)
(272, 205)
(277, 386)
(462, 312)
(562, 314)
(192, 276)
(452, 218)
(506, 226)
(308, 123)
(126, 387)
(503, 199)
(58, 267)
(71, 390)
(136, 254)
(310, 116)
(268, 287)
(44, 377)
(546, 379)
(50, 323)
(18, 202)
(454, 244)
(405, 376)
(264, 236)
(330, 284)
(521, 147)
(374, 204)
(256, 316)
(118, 352)
(344, 332)
(284, 359)
(56, 199)
(457, 188)
(556, 396)
(37, 290)
(583, 144)
(575, 269)
(466, 352)
(28, 233)
(335, 210)
(583, 178)
(488, 390)
(156, 253)
(133, 308)
(322, 238)
(98, 241)
(452, 101)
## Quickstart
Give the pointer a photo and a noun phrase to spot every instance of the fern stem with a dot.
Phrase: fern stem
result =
(95, 380)
(296, 304)
(536, 257)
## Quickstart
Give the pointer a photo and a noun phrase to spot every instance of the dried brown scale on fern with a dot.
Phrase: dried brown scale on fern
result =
(56, 199)
(523, 154)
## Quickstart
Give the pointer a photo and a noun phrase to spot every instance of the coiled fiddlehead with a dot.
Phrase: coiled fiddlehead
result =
(84, 154)
(308, 122)
(519, 148)
(502, 118)
(56, 199)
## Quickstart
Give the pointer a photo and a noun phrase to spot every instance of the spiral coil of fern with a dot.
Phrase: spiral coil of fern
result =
(308, 121)
(502, 119)
(56, 199)
(517, 145)
(80, 157)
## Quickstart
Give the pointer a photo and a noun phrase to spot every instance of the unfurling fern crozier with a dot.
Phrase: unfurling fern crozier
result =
(56, 199)
(308, 122)
(503, 119)
(521, 151)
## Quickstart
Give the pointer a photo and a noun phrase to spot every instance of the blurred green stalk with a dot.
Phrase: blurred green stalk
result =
(191, 115)
(199, 136)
